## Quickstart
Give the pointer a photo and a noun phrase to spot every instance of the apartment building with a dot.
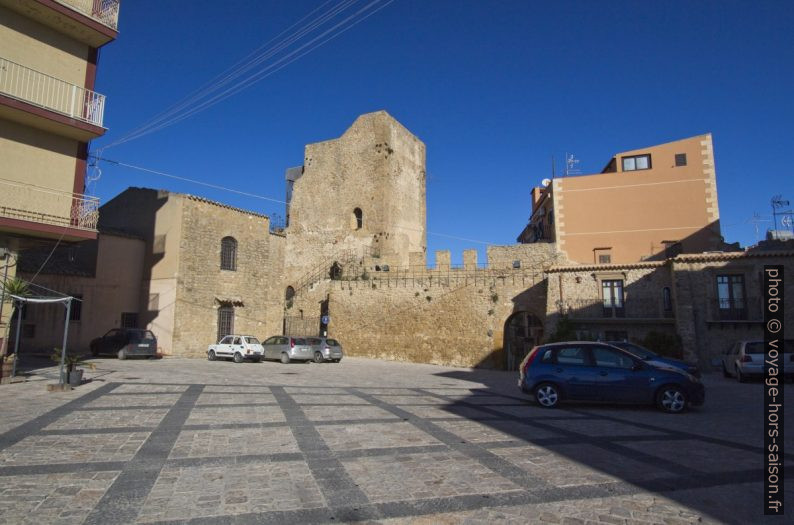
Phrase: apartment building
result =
(646, 204)
(49, 112)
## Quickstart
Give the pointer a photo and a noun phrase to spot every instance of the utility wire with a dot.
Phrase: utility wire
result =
(256, 196)
(240, 67)
(190, 106)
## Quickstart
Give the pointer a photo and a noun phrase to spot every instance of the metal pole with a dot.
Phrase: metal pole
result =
(65, 334)
(3, 345)
(16, 342)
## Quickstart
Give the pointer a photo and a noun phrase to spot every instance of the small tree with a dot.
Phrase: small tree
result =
(564, 331)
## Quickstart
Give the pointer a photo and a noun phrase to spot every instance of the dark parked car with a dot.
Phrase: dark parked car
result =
(652, 357)
(588, 371)
(125, 342)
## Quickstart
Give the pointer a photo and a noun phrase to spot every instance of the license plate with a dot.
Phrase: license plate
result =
(143, 345)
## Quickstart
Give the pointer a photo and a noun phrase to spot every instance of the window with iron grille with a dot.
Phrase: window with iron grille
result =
(225, 321)
(76, 310)
(129, 320)
(228, 254)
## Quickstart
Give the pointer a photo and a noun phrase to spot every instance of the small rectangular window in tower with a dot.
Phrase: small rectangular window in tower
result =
(680, 159)
(602, 255)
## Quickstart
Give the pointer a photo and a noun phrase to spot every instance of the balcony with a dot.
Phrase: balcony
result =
(92, 22)
(103, 11)
(78, 112)
(749, 309)
(632, 308)
(49, 210)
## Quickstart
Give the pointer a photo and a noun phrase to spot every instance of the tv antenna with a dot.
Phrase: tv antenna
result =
(570, 165)
(756, 220)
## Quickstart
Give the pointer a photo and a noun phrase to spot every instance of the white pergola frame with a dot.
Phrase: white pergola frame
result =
(43, 300)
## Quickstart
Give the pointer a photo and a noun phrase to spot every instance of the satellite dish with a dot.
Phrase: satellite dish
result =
(545, 182)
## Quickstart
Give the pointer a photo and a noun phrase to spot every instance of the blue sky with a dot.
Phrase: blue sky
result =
(493, 88)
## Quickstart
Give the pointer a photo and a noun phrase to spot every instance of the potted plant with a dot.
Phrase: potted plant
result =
(73, 374)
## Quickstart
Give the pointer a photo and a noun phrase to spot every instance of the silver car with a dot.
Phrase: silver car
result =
(745, 359)
(325, 349)
(286, 349)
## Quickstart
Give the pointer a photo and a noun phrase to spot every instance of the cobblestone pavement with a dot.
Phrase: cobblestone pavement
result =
(191, 441)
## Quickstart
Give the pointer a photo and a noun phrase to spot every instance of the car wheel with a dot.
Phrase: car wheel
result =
(547, 395)
(740, 377)
(671, 399)
(211, 355)
(238, 357)
(725, 371)
(122, 354)
(318, 357)
(285, 359)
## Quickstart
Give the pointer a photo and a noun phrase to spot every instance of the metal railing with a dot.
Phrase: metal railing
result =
(104, 11)
(747, 309)
(51, 93)
(632, 308)
(46, 206)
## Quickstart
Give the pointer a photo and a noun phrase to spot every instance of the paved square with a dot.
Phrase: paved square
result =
(190, 441)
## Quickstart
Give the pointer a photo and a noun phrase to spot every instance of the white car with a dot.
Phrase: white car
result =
(745, 359)
(237, 347)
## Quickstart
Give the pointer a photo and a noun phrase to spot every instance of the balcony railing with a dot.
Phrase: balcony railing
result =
(632, 308)
(746, 309)
(103, 11)
(51, 93)
(47, 206)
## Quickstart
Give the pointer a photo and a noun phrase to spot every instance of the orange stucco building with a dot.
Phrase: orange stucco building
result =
(646, 204)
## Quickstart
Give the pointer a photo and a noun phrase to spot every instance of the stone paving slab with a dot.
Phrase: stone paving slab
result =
(257, 487)
(378, 435)
(424, 476)
(134, 400)
(91, 419)
(48, 449)
(321, 413)
(50, 498)
(202, 415)
(233, 442)
(235, 398)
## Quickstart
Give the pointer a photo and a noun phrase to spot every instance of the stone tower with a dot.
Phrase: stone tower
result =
(361, 193)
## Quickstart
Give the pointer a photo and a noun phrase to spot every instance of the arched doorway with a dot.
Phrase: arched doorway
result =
(523, 330)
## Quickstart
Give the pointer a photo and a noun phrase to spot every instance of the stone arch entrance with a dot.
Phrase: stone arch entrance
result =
(523, 330)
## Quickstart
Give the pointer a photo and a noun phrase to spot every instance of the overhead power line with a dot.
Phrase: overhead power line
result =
(256, 196)
(219, 88)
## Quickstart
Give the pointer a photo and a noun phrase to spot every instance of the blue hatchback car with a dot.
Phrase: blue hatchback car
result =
(588, 371)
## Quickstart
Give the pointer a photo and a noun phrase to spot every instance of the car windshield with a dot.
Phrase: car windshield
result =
(252, 340)
(639, 351)
(331, 342)
(137, 336)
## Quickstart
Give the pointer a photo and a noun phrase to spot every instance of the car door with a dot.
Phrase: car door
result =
(111, 342)
(269, 346)
(620, 377)
(224, 347)
(574, 371)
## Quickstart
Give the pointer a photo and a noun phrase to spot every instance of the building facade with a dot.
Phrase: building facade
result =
(699, 303)
(646, 204)
(49, 112)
